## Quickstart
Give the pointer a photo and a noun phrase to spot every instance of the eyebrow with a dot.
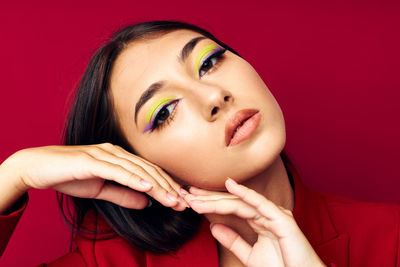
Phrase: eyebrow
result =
(155, 87)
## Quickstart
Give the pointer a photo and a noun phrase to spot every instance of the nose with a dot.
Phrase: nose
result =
(213, 100)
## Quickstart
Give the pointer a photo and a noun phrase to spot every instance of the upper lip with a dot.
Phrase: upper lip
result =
(237, 119)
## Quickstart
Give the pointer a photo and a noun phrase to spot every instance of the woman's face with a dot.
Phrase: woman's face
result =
(185, 122)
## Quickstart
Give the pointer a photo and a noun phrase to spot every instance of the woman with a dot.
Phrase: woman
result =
(164, 107)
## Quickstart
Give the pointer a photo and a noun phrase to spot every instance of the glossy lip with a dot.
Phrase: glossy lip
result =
(237, 119)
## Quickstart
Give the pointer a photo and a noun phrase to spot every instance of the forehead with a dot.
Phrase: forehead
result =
(146, 61)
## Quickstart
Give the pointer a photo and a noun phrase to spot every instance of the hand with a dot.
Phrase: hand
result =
(83, 171)
(280, 241)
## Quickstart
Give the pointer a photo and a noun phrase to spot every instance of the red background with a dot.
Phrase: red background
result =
(333, 67)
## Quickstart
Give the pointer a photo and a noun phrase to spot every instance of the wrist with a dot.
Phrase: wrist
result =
(11, 176)
(11, 186)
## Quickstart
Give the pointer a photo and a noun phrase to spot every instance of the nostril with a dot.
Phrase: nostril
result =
(214, 111)
(226, 98)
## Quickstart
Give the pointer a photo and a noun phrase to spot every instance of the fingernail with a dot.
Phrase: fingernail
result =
(231, 181)
(183, 192)
(171, 197)
(149, 203)
(145, 183)
(193, 188)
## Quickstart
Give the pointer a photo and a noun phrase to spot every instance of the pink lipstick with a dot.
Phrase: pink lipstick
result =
(241, 125)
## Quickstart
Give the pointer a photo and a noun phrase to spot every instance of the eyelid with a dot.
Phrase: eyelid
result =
(159, 105)
(156, 106)
(205, 51)
(216, 53)
(175, 104)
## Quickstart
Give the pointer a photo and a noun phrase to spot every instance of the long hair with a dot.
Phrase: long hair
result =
(92, 120)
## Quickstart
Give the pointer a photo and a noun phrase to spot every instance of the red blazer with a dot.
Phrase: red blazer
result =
(343, 232)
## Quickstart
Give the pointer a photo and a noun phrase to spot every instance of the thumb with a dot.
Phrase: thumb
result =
(123, 196)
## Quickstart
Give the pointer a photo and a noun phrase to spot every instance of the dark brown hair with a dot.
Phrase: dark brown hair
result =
(92, 120)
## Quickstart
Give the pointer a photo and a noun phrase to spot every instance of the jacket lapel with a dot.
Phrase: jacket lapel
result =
(335, 250)
(313, 217)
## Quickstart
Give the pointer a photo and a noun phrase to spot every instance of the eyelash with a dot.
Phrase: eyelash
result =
(219, 56)
(159, 126)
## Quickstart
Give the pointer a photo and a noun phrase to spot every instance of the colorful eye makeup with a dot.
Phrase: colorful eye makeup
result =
(156, 109)
(163, 110)
(205, 53)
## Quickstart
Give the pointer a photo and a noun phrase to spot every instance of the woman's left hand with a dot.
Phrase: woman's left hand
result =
(280, 241)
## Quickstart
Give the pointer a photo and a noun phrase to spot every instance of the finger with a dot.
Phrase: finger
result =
(123, 196)
(168, 179)
(115, 172)
(155, 173)
(165, 195)
(182, 204)
(151, 168)
(199, 192)
(158, 176)
(216, 196)
(203, 192)
(223, 207)
(144, 169)
(232, 241)
(266, 207)
(101, 152)
(98, 189)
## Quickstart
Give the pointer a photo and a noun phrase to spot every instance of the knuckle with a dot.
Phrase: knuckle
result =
(106, 145)
(92, 150)
(157, 168)
(117, 147)
(136, 168)
(158, 188)
(83, 156)
(169, 188)
(132, 178)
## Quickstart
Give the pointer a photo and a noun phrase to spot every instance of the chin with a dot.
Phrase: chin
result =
(259, 158)
(241, 168)
(242, 164)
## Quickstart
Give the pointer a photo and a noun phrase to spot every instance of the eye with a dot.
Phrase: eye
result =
(165, 115)
(211, 60)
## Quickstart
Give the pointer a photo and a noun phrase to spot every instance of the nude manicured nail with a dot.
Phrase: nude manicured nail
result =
(171, 197)
(145, 183)
(183, 192)
(231, 181)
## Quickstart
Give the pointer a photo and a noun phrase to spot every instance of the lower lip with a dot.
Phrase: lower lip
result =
(246, 129)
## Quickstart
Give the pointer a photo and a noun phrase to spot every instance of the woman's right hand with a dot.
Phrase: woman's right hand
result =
(83, 171)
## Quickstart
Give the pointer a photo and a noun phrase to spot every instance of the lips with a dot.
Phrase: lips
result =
(241, 125)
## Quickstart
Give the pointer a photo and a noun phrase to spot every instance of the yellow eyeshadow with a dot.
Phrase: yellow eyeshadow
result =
(207, 49)
(155, 106)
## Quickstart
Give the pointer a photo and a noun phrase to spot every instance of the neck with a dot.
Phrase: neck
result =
(273, 183)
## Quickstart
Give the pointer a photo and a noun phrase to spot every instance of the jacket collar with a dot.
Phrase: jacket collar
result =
(314, 219)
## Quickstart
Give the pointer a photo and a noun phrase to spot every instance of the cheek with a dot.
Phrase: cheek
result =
(253, 81)
(186, 154)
